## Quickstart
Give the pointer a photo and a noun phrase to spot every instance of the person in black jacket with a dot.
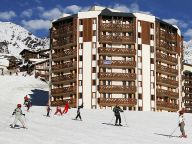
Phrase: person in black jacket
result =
(78, 112)
(117, 111)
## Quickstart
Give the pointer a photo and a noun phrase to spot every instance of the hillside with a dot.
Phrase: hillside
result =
(143, 127)
(14, 38)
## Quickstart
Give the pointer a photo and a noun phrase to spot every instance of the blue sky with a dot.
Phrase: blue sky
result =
(35, 15)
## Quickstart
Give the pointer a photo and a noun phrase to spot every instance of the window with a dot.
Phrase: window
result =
(151, 37)
(152, 97)
(140, 108)
(94, 45)
(139, 96)
(139, 59)
(152, 60)
(94, 57)
(80, 71)
(93, 69)
(152, 73)
(81, 34)
(139, 47)
(81, 58)
(152, 49)
(93, 82)
(80, 46)
(80, 82)
(94, 21)
(80, 22)
(152, 25)
(94, 33)
(140, 83)
(139, 35)
(139, 23)
(80, 95)
(140, 71)
(94, 95)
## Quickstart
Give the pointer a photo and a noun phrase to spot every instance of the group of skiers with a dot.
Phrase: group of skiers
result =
(27, 102)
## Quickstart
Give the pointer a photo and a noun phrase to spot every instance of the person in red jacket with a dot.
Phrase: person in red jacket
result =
(58, 110)
(66, 108)
(26, 99)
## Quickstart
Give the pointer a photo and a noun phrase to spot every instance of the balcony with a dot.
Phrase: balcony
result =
(188, 91)
(167, 106)
(65, 78)
(116, 27)
(117, 76)
(116, 39)
(120, 101)
(187, 78)
(66, 67)
(166, 59)
(72, 103)
(167, 48)
(116, 89)
(188, 104)
(167, 93)
(117, 64)
(167, 82)
(63, 91)
(166, 70)
(187, 98)
(66, 54)
(117, 51)
(189, 85)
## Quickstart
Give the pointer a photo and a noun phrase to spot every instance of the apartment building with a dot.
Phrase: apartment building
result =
(103, 57)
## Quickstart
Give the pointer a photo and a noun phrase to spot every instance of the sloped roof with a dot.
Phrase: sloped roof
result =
(108, 12)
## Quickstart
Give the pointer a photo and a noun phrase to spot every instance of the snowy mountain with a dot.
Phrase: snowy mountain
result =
(188, 52)
(143, 127)
(14, 38)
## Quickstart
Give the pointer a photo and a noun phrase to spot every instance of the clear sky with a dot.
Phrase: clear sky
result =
(35, 15)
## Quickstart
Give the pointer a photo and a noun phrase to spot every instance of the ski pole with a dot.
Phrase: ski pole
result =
(125, 119)
(173, 131)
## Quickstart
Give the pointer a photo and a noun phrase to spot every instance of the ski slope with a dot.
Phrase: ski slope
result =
(143, 127)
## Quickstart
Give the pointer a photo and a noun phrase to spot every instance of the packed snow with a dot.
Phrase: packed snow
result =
(142, 127)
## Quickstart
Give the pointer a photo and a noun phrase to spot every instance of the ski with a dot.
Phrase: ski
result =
(76, 119)
(115, 125)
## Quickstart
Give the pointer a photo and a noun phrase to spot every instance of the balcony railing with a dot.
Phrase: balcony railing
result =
(116, 89)
(63, 90)
(117, 64)
(167, 82)
(187, 78)
(167, 106)
(167, 93)
(187, 98)
(59, 67)
(72, 103)
(117, 76)
(167, 48)
(188, 85)
(188, 104)
(65, 53)
(116, 39)
(166, 70)
(120, 101)
(64, 78)
(188, 91)
(165, 58)
(117, 51)
(116, 27)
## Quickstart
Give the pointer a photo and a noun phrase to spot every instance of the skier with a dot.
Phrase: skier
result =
(28, 104)
(58, 110)
(182, 123)
(25, 99)
(48, 110)
(66, 108)
(78, 112)
(117, 111)
(18, 113)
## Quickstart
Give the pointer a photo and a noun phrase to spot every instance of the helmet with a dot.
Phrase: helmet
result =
(18, 105)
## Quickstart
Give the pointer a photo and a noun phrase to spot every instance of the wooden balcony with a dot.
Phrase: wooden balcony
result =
(117, 51)
(187, 78)
(187, 98)
(117, 64)
(167, 82)
(166, 70)
(64, 67)
(65, 54)
(189, 85)
(65, 78)
(167, 48)
(57, 45)
(120, 101)
(72, 103)
(116, 89)
(63, 91)
(188, 91)
(117, 76)
(116, 39)
(167, 106)
(116, 27)
(188, 104)
(167, 93)
(166, 59)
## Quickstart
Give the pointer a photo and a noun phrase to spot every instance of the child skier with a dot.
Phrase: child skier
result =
(48, 110)
(182, 123)
(66, 108)
(117, 111)
(58, 110)
(18, 113)
(78, 112)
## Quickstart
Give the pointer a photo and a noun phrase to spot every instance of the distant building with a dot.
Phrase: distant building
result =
(103, 57)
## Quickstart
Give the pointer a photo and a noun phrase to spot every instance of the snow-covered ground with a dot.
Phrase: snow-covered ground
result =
(143, 127)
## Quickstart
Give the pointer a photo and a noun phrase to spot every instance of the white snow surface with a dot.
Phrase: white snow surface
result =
(143, 127)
